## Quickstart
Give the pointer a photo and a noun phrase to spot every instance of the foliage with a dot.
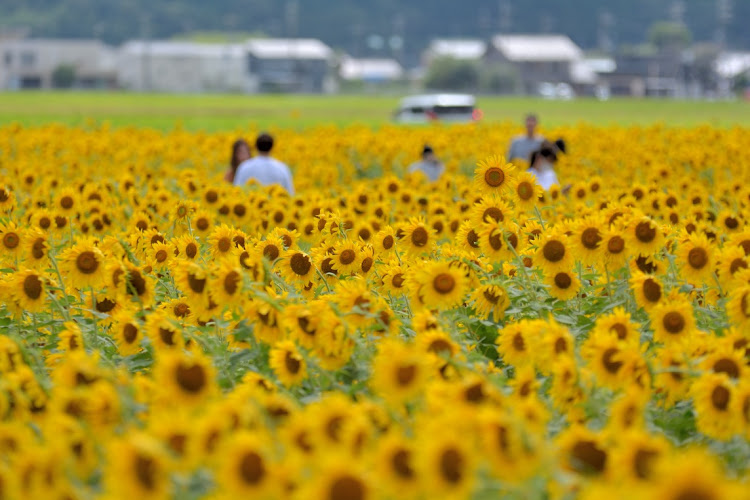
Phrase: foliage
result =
(669, 35)
(63, 76)
(446, 73)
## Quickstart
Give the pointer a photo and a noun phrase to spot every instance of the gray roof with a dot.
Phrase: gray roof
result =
(288, 48)
(184, 49)
(519, 48)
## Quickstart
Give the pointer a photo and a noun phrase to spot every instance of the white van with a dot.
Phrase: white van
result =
(437, 107)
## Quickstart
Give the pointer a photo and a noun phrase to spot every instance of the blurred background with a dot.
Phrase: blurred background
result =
(669, 48)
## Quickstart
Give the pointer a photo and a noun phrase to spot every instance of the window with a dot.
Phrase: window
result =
(28, 59)
(8, 58)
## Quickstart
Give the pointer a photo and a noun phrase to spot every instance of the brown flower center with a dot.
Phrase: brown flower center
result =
(252, 468)
(720, 397)
(347, 488)
(652, 290)
(291, 363)
(728, 366)
(673, 322)
(590, 238)
(129, 333)
(419, 237)
(32, 286)
(191, 379)
(588, 457)
(406, 374)
(196, 284)
(563, 281)
(553, 251)
(145, 471)
(616, 245)
(231, 282)
(697, 258)
(271, 252)
(494, 176)
(87, 262)
(518, 342)
(525, 190)
(611, 365)
(493, 213)
(347, 256)
(451, 465)
(401, 464)
(444, 283)
(644, 232)
(388, 242)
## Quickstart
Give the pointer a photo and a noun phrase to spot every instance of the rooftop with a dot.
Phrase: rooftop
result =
(537, 47)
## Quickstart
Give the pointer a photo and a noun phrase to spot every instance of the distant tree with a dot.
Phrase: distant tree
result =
(499, 79)
(704, 59)
(669, 35)
(447, 73)
(63, 76)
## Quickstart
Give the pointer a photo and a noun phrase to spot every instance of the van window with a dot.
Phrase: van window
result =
(453, 110)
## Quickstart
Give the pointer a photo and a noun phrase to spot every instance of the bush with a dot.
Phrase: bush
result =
(446, 73)
(63, 76)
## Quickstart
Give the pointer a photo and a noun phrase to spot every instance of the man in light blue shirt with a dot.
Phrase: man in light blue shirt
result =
(264, 169)
(429, 166)
(523, 145)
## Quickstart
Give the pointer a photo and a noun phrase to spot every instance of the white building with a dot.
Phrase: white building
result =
(171, 66)
(541, 58)
(370, 70)
(290, 64)
(30, 63)
(468, 49)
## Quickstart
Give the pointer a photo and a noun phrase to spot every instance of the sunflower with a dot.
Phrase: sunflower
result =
(226, 285)
(732, 260)
(467, 238)
(160, 255)
(163, 333)
(696, 259)
(494, 241)
(692, 474)
(712, 397)
(611, 360)
(37, 249)
(396, 471)
(186, 247)
(29, 290)
(490, 208)
(339, 477)
(287, 363)
(83, 264)
(137, 468)
(184, 378)
(563, 285)
(271, 248)
(738, 307)
(66, 202)
(191, 279)
(221, 241)
(126, 332)
(639, 455)
(614, 248)
(493, 175)
(619, 324)
(445, 462)
(647, 289)
(246, 469)
(725, 358)
(11, 238)
(583, 451)
(644, 236)
(490, 300)
(553, 252)
(202, 223)
(418, 237)
(345, 258)
(526, 192)
(384, 241)
(514, 343)
(399, 372)
(587, 239)
(138, 284)
(672, 320)
(439, 285)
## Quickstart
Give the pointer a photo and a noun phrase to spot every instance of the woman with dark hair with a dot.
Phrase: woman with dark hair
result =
(240, 153)
(542, 163)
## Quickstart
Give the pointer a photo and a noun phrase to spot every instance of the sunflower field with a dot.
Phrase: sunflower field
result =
(164, 334)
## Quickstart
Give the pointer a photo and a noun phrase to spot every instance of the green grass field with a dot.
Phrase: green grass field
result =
(219, 112)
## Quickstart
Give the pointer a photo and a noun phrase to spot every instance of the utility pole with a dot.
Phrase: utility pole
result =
(723, 17)
(505, 16)
(605, 39)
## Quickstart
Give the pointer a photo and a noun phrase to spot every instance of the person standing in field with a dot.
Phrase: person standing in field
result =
(542, 163)
(523, 145)
(429, 165)
(264, 169)
(240, 153)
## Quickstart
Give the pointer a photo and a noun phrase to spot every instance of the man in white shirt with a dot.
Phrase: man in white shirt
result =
(430, 166)
(523, 145)
(264, 169)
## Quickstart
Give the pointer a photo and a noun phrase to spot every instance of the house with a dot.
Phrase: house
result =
(732, 68)
(645, 73)
(370, 70)
(177, 66)
(467, 49)
(290, 65)
(36, 63)
(539, 58)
